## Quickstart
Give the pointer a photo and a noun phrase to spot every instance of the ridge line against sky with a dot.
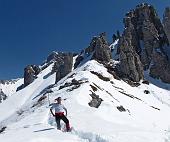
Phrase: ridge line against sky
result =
(31, 30)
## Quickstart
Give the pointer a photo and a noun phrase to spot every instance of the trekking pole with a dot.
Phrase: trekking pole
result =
(49, 91)
(48, 100)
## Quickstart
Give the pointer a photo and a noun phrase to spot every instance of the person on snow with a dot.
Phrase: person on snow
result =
(59, 113)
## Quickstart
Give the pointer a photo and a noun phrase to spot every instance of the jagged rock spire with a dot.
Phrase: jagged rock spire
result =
(142, 40)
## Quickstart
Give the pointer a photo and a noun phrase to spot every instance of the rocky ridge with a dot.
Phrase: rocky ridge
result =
(143, 45)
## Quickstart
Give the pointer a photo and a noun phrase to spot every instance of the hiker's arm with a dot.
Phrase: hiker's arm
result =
(52, 111)
(65, 110)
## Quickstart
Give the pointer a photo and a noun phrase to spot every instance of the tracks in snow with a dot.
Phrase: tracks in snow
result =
(91, 137)
(85, 136)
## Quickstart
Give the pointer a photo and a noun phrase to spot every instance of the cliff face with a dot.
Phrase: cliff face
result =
(142, 45)
(64, 67)
(30, 73)
(166, 22)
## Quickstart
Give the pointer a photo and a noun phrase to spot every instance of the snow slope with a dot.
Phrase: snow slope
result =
(145, 117)
(10, 87)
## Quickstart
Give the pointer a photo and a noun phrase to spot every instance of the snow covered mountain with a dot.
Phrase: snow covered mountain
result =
(125, 113)
(8, 87)
(102, 106)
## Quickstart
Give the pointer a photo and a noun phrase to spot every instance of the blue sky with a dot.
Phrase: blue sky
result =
(32, 29)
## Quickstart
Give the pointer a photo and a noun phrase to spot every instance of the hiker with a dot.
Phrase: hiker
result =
(59, 113)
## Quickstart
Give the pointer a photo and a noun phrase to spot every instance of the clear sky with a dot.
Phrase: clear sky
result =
(31, 29)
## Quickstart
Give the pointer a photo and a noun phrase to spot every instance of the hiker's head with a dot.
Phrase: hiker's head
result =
(58, 100)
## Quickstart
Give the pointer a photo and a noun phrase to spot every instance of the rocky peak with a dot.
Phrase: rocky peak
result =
(55, 56)
(30, 73)
(142, 39)
(102, 51)
(63, 65)
(98, 50)
(95, 40)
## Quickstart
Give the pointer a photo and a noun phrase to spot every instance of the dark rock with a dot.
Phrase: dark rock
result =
(160, 68)
(129, 95)
(112, 70)
(131, 83)
(20, 112)
(13, 81)
(130, 64)
(41, 99)
(93, 88)
(78, 60)
(166, 22)
(142, 43)
(155, 108)
(121, 108)
(98, 50)
(66, 67)
(3, 96)
(96, 101)
(100, 76)
(20, 87)
(145, 82)
(30, 74)
(146, 92)
(2, 129)
(102, 51)
(74, 82)
(36, 69)
(54, 56)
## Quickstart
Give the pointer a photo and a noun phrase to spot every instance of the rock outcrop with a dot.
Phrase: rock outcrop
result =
(161, 67)
(2, 96)
(102, 51)
(166, 22)
(98, 50)
(100, 47)
(130, 64)
(30, 73)
(63, 66)
(142, 45)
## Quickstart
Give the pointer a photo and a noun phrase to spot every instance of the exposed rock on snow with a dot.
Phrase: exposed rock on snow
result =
(96, 100)
(2, 96)
(30, 74)
(66, 67)
(98, 50)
